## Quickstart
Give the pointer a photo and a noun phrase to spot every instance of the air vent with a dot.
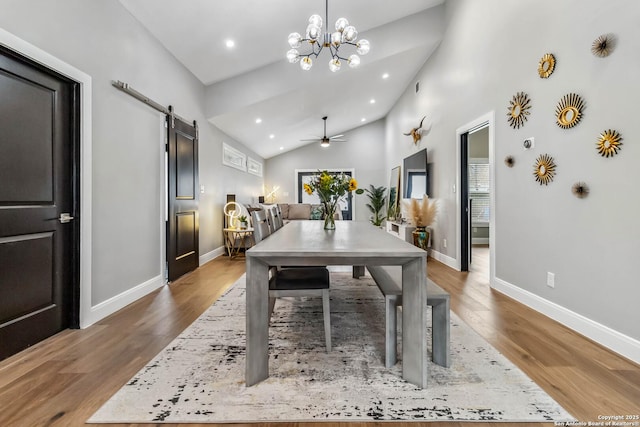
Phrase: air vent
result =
(417, 87)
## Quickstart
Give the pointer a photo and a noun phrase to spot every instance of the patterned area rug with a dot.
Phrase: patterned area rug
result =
(199, 377)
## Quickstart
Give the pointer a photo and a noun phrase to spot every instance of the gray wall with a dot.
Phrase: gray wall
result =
(491, 51)
(363, 152)
(102, 39)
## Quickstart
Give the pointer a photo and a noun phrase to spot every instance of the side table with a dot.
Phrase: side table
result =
(236, 239)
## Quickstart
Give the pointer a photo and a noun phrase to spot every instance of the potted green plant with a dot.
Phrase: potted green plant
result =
(243, 221)
(376, 203)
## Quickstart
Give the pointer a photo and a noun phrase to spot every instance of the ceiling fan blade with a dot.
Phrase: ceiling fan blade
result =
(338, 140)
(336, 136)
(311, 140)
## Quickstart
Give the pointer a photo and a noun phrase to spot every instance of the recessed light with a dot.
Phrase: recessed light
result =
(373, 101)
(363, 119)
(272, 136)
(385, 76)
(258, 120)
(229, 43)
(281, 148)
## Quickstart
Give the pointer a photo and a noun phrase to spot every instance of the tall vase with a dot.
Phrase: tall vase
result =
(421, 238)
(329, 216)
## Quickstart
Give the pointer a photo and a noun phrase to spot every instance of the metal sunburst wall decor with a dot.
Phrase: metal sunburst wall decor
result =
(546, 65)
(569, 110)
(518, 109)
(580, 190)
(609, 143)
(544, 169)
(603, 45)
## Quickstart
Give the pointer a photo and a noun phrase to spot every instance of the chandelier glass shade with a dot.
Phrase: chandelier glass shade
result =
(304, 49)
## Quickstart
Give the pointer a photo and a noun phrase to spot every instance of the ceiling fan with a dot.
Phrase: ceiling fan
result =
(326, 141)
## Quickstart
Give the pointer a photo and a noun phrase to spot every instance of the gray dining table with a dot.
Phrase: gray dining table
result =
(353, 243)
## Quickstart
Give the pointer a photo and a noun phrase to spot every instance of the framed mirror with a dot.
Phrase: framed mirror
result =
(393, 205)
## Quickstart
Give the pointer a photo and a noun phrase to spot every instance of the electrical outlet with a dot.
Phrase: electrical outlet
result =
(444, 242)
(202, 189)
(551, 280)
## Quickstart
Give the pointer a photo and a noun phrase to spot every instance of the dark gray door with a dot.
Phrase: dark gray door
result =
(38, 187)
(183, 221)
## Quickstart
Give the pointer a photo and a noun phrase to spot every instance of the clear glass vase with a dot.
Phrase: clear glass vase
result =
(329, 216)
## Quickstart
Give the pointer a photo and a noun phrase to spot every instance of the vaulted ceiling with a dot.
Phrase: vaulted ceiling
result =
(253, 79)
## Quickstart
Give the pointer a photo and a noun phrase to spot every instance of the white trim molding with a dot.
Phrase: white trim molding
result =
(445, 259)
(113, 304)
(613, 340)
(40, 56)
(211, 255)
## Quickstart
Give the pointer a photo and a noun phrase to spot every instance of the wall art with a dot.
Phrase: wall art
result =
(546, 65)
(416, 133)
(603, 45)
(580, 190)
(569, 110)
(544, 169)
(518, 109)
(233, 158)
(509, 161)
(609, 143)
(254, 167)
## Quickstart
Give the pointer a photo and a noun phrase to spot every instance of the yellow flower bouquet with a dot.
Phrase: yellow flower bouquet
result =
(330, 189)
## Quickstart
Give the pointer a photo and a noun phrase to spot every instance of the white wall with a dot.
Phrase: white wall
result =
(363, 152)
(491, 51)
(104, 41)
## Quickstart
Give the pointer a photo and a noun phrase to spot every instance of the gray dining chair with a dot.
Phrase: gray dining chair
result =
(295, 282)
(275, 218)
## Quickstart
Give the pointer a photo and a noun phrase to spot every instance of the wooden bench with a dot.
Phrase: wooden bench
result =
(389, 281)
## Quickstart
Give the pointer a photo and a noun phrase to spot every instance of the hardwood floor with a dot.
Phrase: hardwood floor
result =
(65, 379)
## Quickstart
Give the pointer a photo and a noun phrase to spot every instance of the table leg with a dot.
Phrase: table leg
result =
(257, 315)
(414, 322)
(358, 271)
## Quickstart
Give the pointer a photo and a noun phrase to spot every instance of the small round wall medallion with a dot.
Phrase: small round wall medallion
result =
(546, 65)
(609, 143)
(569, 110)
(544, 169)
(509, 161)
(603, 45)
(518, 109)
(580, 190)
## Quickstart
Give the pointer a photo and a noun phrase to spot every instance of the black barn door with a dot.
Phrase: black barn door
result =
(465, 206)
(38, 203)
(182, 223)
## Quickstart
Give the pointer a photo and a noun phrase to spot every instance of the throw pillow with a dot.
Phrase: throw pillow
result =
(299, 211)
(317, 211)
(284, 208)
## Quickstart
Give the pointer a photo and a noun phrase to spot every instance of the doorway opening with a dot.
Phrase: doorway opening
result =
(475, 220)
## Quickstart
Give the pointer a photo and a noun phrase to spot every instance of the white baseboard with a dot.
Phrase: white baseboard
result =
(113, 304)
(445, 259)
(211, 255)
(613, 340)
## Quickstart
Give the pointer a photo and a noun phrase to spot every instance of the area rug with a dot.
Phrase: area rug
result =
(199, 377)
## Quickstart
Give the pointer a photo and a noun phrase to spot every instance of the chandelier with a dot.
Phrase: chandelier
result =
(315, 39)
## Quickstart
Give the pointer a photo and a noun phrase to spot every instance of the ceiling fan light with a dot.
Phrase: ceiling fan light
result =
(295, 40)
(334, 65)
(293, 56)
(363, 47)
(336, 39)
(354, 61)
(306, 63)
(316, 20)
(324, 143)
(350, 33)
(341, 24)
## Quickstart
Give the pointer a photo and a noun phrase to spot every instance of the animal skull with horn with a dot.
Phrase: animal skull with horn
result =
(416, 132)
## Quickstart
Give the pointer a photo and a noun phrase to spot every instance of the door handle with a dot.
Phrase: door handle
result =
(65, 217)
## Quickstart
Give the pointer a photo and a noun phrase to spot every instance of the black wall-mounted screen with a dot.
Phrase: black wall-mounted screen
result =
(415, 183)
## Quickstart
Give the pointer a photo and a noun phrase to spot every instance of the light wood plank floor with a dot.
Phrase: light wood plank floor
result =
(63, 380)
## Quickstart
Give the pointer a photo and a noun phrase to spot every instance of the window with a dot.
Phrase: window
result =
(479, 185)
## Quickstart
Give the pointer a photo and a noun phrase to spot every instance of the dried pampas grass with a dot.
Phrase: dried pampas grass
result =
(421, 213)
